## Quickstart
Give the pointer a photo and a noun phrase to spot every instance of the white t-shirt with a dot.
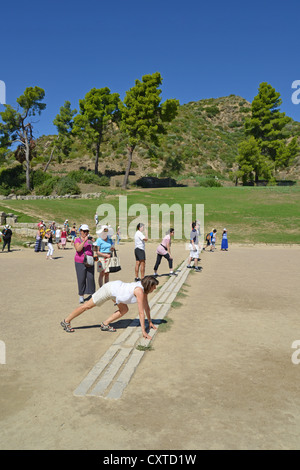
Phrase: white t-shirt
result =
(57, 233)
(124, 291)
(139, 240)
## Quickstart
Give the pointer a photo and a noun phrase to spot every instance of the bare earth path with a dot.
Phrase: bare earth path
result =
(220, 378)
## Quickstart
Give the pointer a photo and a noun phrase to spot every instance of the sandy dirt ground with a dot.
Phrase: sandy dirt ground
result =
(221, 377)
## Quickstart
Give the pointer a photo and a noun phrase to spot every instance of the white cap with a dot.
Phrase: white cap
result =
(84, 227)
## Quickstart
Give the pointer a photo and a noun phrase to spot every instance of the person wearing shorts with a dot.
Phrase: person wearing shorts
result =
(194, 248)
(105, 246)
(122, 294)
(140, 255)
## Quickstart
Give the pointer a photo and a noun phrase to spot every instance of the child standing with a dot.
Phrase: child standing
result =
(224, 244)
(213, 240)
(63, 238)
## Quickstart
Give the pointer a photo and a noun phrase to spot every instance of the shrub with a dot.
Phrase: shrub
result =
(47, 187)
(88, 177)
(13, 177)
(39, 177)
(67, 185)
(212, 111)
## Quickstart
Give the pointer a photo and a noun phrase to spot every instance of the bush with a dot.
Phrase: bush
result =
(13, 177)
(67, 185)
(88, 177)
(47, 187)
(39, 177)
(208, 182)
(212, 111)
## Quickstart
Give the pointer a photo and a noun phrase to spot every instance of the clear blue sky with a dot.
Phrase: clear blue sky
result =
(202, 49)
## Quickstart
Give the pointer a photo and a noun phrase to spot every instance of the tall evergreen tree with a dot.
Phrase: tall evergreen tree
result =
(267, 125)
(143, 116)
(17, 126)
(98, 110)
(266, 149)
(64, 125)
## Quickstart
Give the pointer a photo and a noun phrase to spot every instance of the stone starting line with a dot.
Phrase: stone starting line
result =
(113, 372)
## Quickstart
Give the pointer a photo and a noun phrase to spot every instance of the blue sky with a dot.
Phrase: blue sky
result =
(202, 49)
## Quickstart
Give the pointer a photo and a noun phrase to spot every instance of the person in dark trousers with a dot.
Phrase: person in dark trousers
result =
(7, 234)
(164, 250)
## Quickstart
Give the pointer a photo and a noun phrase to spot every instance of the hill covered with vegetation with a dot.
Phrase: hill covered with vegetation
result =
(199, 147)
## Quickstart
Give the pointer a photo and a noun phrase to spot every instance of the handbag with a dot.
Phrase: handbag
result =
(88, 260)
(114, 264)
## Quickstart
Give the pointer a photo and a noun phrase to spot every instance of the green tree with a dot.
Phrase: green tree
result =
(98, 110)
(252, 163)
(16, 126)
(64, 125)
(267, 125)
(143, 117)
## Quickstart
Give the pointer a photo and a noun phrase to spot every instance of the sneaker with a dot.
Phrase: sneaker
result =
(107, 328)
(198, 269)
(137, 279)
(189, 266)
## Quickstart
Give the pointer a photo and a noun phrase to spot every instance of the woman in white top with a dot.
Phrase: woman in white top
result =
(122, 294)
(140, 255)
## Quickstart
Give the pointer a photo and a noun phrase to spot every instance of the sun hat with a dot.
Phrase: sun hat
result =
(100, 231)
(84, 227)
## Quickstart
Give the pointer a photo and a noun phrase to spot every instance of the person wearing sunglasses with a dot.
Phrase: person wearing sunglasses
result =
(85, 274)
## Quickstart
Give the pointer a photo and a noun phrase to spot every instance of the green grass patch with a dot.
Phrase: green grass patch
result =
(144, 348)
(251, 215)
(165, 324)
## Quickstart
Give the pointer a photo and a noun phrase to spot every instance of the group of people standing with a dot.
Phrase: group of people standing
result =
(91, 251)
(53, 234)
(211, 239)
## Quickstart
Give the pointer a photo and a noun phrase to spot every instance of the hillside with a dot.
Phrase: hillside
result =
(200, 143)
(201, 140)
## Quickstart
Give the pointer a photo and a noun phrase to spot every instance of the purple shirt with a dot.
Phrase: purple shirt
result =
(79, 255)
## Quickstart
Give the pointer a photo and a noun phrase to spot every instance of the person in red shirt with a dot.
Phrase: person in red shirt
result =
(63, 238)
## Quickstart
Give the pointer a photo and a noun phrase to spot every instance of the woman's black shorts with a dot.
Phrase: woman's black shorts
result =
(140, 254)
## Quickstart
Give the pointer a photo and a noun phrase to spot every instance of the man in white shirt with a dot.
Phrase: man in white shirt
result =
(140, 255)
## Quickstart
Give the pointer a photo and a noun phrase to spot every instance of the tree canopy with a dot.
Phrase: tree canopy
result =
(143, 116)
(98, 110)
(17, 127)
(267, 148)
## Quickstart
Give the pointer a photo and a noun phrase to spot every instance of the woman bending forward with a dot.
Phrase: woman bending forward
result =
(122, 294)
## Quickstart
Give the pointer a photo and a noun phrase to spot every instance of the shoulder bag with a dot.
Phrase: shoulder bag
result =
(114, 263)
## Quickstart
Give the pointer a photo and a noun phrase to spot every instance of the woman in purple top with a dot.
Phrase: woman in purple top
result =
(164, 250)
(85, 274)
